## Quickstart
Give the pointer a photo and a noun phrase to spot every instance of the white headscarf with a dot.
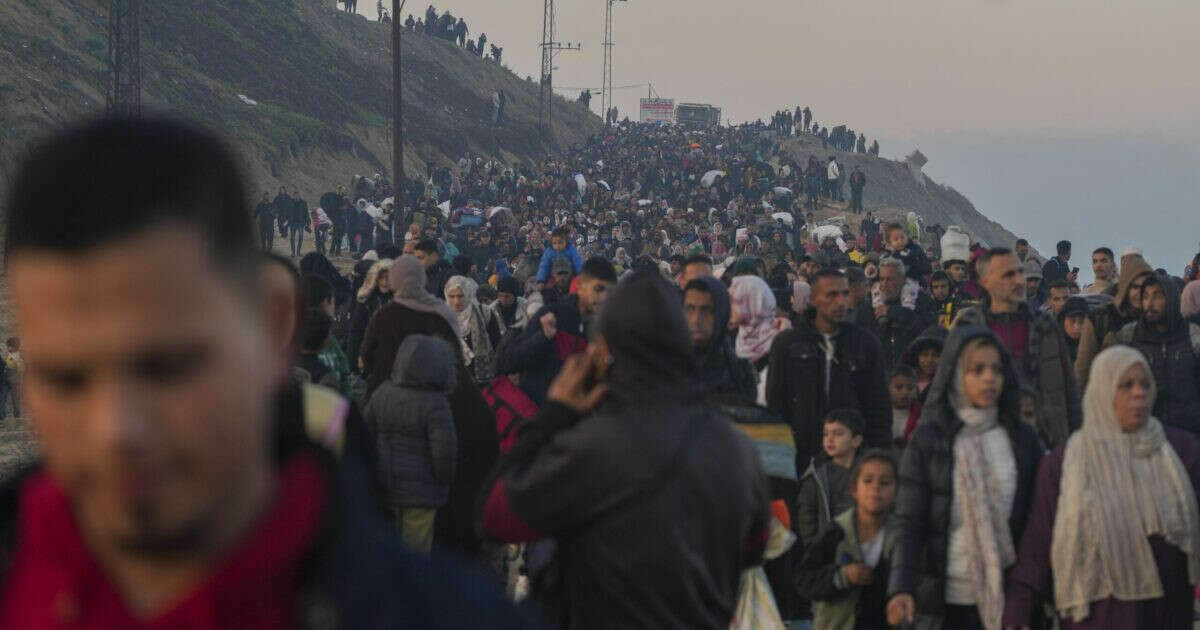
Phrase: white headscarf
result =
(754, 304)
(1117, 489)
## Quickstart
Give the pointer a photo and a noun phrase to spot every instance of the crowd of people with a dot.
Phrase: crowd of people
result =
(638, 386)
(445, 26)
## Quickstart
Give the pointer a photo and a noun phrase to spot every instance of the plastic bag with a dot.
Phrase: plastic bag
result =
(756, 609)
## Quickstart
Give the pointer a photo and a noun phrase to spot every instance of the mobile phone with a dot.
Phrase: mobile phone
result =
(1075, 270)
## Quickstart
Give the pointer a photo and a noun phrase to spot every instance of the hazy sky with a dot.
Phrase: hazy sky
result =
(1070, 118)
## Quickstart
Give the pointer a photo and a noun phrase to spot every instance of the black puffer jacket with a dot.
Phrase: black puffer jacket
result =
(1172, 355)
(923, 502)
(899, 328)
(857, 379)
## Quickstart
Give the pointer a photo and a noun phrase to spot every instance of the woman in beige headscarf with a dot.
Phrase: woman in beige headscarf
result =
(1114, 531)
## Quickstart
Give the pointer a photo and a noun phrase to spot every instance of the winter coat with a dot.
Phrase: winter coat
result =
(1031, 575)
(657, 503)
(837, 604)
(413, 426)
(436, 277)
(539, 359)
(1047, 368)
(926, 490)
(550, 255)
(796, 380)
(916, 263)
(1101, 327)
(363, 311)
(824, 493)
(1174, 358)
(900, 328)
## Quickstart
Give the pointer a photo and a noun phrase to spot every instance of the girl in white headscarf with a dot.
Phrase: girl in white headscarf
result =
(1114, 525)
(479, 330)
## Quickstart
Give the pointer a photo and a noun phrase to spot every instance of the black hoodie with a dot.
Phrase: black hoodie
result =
(724, 375)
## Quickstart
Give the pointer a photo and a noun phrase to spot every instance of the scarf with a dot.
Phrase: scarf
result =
(754, 310)
(473, 324)
(985, 515)
(407, 277)
(1117, 489)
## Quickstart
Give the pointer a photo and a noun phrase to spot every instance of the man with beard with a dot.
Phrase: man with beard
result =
(896, 323)
(1033, 339)
(724, 375)
(1102, 325)
(1171, 345)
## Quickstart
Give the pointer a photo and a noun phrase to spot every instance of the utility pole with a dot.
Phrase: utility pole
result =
(606, 95)
(397, 106)
(549, 47)
(124, 91)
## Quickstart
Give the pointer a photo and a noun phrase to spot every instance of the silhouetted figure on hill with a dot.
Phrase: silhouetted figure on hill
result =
(874, 148)
(481, 45)
(460, 32)
(410, 23)
(471, 46)
(496, 52)
(807, 117)
(862, 143)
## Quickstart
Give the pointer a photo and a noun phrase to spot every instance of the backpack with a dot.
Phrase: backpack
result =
(511, 409)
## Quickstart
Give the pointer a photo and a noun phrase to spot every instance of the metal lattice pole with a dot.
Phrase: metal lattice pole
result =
(124, 91)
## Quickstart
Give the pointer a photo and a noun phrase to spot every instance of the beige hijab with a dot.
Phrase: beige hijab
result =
(1117, 489)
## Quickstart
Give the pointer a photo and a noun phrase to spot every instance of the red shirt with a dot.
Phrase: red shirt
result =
(1014, 334)
(53, 582)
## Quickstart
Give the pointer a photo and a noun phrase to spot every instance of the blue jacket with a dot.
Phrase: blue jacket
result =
(550, 255)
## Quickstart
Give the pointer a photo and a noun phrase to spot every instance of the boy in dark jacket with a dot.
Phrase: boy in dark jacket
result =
(845, 570)
(823, 488)
(410, 416)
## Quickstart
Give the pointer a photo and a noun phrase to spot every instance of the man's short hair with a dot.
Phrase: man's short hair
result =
(985, 259)
(1063, 247)
(600, 269)
(1104, 250)
(939, 275)
(854, 275)
(827, 273)
(697, 284)
(561, 232)
(1061, 284)
(1022, 243)
(892, 261)
(316, 290)
(109, 179)
(698, 259)
(427, 245)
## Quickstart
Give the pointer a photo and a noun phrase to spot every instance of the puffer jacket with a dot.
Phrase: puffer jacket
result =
(410, 416)
(1172, 354)
(926, 491)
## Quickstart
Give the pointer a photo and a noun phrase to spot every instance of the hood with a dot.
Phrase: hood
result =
(721, 312)
(642, 322)
(937, 400)
(372, 279)
(1176, 324)
(932, 337)
(424, 362)
(1132, 266)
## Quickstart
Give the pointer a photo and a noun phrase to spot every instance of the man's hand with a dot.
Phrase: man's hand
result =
(881, 311)
(570, 388)
(859, 574)
(901, 608)
(549, 325)
(1073, 276)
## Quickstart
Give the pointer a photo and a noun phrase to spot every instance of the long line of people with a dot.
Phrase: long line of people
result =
(914, 398)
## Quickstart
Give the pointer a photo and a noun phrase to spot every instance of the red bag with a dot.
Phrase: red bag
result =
(511, 408)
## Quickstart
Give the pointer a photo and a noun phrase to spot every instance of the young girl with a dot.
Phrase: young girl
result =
(844, 571)
(965, 488)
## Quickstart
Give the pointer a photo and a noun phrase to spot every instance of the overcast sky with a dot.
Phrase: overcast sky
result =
(1082, 112)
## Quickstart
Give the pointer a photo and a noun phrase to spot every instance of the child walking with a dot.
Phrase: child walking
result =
(824, 488)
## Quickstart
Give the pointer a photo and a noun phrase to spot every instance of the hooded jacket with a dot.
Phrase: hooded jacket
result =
(923, 499)
(1173, 357)
(658, 503)
(1046, 368)
(410, 416)
(723, 374)
(1101, 326)
(539, 359)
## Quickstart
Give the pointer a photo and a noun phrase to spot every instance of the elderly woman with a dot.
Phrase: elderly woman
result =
(1114, 532)
(479, 329)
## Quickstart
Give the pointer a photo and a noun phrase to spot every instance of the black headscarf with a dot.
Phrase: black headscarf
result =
(647, 336)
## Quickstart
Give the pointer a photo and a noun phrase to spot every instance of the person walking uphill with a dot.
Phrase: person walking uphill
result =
(414, 435)
(1114, 533)
(657, 502)
(179, 489)
(965, 484)
(413, 311)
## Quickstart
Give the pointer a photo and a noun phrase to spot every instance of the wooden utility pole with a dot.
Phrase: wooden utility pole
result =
(397, 105)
